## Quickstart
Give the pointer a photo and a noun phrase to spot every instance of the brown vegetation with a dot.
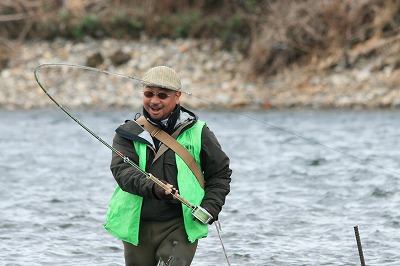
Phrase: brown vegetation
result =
(298, 32)
(274, 34)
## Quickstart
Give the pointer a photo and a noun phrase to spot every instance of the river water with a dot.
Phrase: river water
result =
(302, 180)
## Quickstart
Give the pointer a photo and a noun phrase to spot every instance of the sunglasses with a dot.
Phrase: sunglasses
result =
(161, 95)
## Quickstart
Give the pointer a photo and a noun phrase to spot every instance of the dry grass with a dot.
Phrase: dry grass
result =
(301, 32)
(273, 34)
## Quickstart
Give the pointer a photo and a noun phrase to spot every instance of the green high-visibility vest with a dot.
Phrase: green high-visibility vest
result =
(123, 215)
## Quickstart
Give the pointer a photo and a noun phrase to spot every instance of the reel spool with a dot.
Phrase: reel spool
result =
(202, 214)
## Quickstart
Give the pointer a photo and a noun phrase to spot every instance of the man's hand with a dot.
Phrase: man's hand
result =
(162, 194)
(213, 212)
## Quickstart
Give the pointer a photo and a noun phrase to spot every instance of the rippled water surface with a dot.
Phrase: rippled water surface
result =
(293, 202)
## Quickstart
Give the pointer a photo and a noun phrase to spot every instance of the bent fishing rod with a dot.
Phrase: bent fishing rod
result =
(306, 139)
(309, 140)
(198, 212)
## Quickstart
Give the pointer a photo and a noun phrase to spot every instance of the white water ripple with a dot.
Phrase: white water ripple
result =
(292, 202)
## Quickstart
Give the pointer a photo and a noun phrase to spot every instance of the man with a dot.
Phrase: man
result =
(153, 226)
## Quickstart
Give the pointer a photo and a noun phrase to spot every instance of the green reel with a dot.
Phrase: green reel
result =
(202, 214)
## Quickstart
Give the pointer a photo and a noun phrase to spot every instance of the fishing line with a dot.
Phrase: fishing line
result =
(284, 47)
(307, 139)
(200, 213)
(210, 103)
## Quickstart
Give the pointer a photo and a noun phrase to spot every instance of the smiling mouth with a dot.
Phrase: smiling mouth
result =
(156, 109)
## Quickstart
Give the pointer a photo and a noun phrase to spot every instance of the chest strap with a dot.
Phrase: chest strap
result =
(174, 145)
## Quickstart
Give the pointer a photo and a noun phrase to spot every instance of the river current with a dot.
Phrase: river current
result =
(301, 181)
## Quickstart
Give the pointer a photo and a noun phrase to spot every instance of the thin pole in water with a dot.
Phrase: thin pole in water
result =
(360, 251)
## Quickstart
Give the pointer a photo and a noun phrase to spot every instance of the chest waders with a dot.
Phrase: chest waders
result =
(123, 215)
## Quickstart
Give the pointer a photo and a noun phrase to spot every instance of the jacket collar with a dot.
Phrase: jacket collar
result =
(132, 131)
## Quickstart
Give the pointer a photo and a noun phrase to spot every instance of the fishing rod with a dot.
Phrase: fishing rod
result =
(211, 103)
(198, 212)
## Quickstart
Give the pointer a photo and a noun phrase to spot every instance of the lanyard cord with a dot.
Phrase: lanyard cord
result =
(218, 227)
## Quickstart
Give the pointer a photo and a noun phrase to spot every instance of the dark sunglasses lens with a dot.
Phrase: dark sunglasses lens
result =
(148, 94)
(162, 95)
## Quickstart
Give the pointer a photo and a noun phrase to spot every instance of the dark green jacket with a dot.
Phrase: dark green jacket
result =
(214, 163)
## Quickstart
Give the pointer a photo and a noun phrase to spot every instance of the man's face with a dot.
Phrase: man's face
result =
(158, 108)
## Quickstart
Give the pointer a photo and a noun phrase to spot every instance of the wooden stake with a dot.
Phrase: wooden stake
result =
(360, 252)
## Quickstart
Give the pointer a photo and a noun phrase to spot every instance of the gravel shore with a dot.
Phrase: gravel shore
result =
(213, 77)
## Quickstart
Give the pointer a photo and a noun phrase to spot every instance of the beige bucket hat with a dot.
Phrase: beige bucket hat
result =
(162, 77)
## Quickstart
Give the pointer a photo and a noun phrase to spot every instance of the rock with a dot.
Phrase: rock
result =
(3, 63)
(95, 60)
(211, 77)
(119, 58)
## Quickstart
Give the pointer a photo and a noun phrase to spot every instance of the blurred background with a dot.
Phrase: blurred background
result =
(258, 54)
(303, 96)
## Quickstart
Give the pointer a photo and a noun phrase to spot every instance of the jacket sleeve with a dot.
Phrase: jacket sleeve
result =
(217, 174)
(128, 178)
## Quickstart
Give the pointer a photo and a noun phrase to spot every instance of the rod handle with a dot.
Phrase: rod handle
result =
(164, 186)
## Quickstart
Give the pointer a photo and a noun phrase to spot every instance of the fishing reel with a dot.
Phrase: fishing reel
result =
(202, 214)
(198, 212)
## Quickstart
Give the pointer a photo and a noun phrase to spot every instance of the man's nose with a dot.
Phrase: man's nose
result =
(155, 99)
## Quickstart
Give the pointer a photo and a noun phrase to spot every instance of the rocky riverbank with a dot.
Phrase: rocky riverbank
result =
(214, 77)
